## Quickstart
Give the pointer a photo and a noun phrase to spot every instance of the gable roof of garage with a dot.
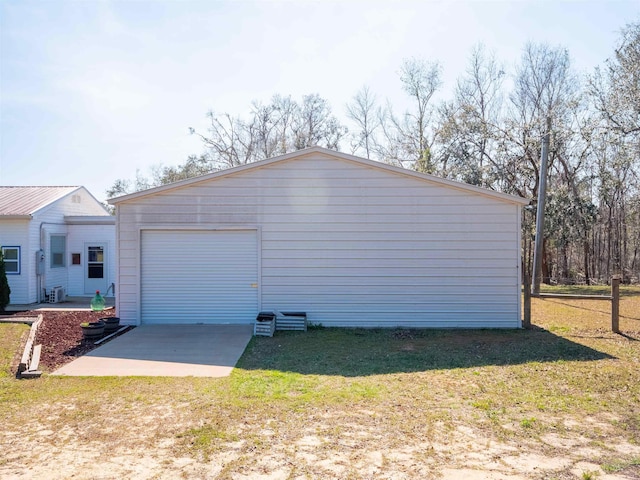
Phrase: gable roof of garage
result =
(331, 153)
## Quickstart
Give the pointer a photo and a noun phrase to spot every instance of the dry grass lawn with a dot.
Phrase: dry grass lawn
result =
(560, 401)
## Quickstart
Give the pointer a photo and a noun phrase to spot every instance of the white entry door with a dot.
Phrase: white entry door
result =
(95, 269)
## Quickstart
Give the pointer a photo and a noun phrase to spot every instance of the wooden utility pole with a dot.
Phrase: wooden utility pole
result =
(542, 196)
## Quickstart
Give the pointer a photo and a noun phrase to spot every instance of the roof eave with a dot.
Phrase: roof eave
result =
(89, 220)
(16, 217)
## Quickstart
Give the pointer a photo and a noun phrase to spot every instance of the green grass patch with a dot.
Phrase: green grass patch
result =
(620, 465)
(625, 290)
(589, 475)
(527, 422)
(11, 336)
(357, 352)
(208, 439)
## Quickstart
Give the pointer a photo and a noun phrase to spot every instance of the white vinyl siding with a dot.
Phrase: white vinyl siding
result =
(77, 240)
(15, 233)
(199, 276)
(350, 244)
(50, 221)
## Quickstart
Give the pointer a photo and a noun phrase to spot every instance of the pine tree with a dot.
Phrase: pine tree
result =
(5, 291)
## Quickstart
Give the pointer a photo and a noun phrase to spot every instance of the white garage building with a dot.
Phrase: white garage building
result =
(351, 242)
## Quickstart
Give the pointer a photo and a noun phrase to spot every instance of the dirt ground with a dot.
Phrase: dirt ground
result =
(144, 439)
(149, 450)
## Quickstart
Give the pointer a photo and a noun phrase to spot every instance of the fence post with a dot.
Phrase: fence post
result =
(527, 302)
(615, 304)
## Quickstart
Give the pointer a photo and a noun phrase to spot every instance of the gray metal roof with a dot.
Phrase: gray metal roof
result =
(23, 201)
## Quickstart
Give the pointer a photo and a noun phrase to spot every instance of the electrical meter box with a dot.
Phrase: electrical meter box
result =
(40, 262)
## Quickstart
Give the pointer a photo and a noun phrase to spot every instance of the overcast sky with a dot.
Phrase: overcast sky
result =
(90, 91)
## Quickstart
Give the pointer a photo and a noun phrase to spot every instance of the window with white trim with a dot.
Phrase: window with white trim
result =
(58, 244)
(11, 256)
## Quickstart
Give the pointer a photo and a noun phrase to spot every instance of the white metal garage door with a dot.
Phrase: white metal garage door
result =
(195, 276)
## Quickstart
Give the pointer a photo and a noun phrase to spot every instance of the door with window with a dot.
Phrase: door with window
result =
(95, 268)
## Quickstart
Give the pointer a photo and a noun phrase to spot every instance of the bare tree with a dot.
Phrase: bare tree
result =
(469, 124)
(615, 95)
(616, 91)
(265, 125)
(412, 132)
(544, 88)
(367, 115)
(275, 128)
(544, 91)
(286, 110)
(229, 141)
(314, 124)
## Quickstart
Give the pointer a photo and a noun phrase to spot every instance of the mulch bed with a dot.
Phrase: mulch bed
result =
(61, 336)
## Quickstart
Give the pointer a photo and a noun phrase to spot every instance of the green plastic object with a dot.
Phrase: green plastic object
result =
(97, 302)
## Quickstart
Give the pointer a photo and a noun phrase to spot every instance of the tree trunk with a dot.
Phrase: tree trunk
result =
(587, 278)
(564, 252)
(546, 273)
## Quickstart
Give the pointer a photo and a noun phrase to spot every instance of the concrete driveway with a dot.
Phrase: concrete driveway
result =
(166, 351)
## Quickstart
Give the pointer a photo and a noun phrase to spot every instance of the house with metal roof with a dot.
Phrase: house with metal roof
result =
(56, 241)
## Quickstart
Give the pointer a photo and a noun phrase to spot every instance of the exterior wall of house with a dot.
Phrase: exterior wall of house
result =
(14, 233)
(79, 236)
(50, 221)
(43, 227)
(34, 233)
(349, 244)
